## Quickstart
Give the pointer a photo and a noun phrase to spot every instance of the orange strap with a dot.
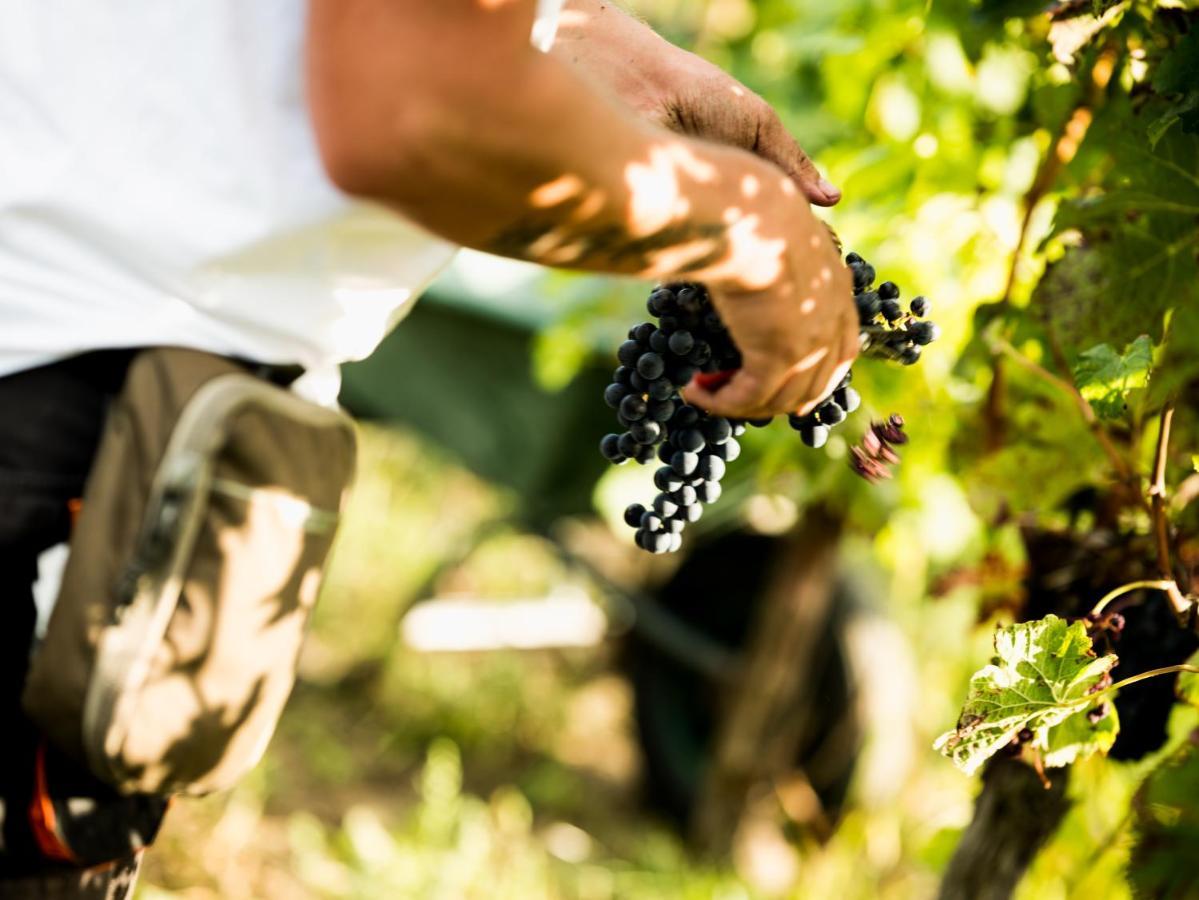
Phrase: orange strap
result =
(42, 818)
(74, 507)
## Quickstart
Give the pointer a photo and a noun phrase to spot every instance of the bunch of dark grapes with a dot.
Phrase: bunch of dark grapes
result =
(693, 447)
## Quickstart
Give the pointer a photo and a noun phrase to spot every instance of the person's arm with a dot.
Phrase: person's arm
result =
(444, 112)
(679, 90)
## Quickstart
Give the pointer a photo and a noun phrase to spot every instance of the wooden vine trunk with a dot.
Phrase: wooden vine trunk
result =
(1014, 816)
(767, 707)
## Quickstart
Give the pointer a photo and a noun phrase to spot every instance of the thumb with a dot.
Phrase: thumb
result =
(777, 145)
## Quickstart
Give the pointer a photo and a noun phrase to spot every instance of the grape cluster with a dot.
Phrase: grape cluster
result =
(888, 331)
(693, 447)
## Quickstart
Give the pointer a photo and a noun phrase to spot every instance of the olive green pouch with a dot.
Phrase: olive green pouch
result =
(195, 562)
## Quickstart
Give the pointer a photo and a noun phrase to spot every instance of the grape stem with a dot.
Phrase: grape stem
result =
(1143, 676)
(1156, 584)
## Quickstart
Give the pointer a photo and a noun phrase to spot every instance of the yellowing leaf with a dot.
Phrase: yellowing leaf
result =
(1041, 679)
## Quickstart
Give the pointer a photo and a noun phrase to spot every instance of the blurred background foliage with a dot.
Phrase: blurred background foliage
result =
(399, 773)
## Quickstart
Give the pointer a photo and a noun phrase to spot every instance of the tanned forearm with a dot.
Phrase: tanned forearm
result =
(444, 112)
(597, 189)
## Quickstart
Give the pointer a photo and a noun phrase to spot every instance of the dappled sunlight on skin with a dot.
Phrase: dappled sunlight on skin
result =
(560, 190)
(655, 189)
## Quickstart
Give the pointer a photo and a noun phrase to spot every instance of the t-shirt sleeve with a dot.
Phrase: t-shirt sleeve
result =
(546, 25)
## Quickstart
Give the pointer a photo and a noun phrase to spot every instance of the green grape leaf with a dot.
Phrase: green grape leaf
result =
(1178, 72)
(1178, 363)
(1078, 737)
(1136, 247)
(1107, 378)
(1166, 826)
(1042, 676)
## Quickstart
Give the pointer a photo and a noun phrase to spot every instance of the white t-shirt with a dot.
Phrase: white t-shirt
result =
(160, 184)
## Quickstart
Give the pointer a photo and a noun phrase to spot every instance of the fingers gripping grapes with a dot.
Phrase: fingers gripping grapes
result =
(690, 345)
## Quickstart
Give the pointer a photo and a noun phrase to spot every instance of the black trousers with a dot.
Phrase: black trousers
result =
(50, 424)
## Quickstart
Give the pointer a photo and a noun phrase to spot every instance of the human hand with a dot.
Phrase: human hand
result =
(797, 333)
(681, 91)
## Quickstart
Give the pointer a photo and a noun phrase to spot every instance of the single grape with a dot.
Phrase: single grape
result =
(683, 463)
(924, 332)
(681, 343)
(711, 467)
(646, 431)
(621, 375)
(888, 290)
(710, 491)
(693, 512)
(628, 445)
(660, 410)
(910, 355)
(716, 429)
(684, 417)
(891, 310)
(629, 353)
(661, 389)
(610, 448)
(814, 436)
(665, 506)
(650, 366)
(661, 302)
(633, 514)
(637, 383)
(614, 393)
(685, 496)
(651, 522)
(633, 408)
(863, 276)
(831, 414)
(728, 451)
(666, 479)
(692, 440)
(920, 307)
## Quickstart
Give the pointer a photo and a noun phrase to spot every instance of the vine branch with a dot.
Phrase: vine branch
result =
(1183, 607)
(1161, 585)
